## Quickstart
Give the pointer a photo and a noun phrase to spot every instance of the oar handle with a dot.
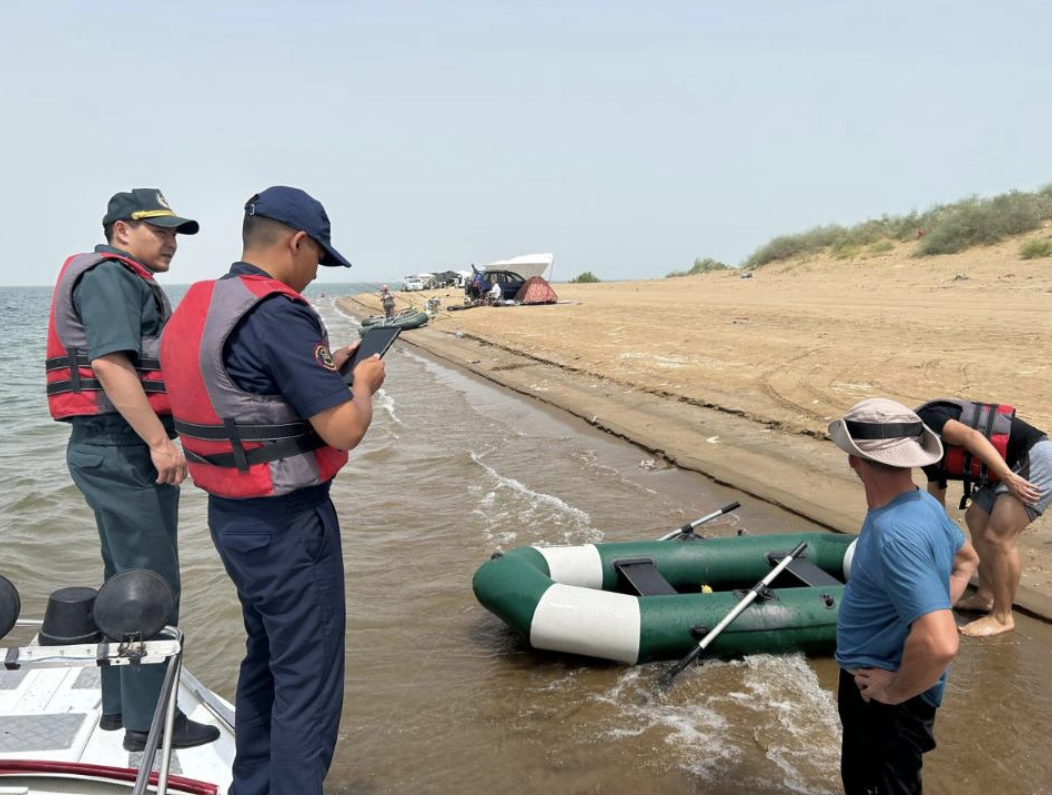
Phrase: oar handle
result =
(689, 528)
(735, 612)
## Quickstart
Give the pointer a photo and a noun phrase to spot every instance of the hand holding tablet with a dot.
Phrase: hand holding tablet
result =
(376, 341)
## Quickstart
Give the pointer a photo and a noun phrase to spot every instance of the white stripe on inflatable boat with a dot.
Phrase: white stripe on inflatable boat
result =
(574, 565)
(849, 555)
(585, 621)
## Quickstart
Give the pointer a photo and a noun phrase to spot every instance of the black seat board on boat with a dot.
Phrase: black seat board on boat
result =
(643, 576)
(807, 573)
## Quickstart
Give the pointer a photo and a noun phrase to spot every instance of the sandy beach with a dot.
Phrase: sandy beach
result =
(737, 378)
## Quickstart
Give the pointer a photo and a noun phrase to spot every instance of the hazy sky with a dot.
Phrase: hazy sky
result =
(626, 137)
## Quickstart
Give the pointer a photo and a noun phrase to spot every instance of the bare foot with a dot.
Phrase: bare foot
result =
(988, 626)
(976, 602)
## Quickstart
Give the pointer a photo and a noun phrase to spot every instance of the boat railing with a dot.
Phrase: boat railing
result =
(220, 709)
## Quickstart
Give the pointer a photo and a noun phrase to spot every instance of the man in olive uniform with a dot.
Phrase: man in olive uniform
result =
(104, 379)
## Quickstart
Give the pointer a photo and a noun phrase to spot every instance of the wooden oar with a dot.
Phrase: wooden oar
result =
(746, 601)
(688, 529)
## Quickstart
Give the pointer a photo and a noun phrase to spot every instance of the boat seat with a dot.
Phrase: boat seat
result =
(644, 578)
(805, 571)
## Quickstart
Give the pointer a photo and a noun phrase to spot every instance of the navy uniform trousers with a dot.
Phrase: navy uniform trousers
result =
(137, 521)
(285, 558)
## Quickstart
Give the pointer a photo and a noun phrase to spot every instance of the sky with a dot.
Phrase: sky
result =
(627, 138)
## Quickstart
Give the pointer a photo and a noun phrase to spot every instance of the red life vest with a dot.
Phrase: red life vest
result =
(994, 422)
(238, 444)
(72, 387)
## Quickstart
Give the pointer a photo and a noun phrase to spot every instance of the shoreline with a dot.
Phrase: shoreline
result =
(791, 465)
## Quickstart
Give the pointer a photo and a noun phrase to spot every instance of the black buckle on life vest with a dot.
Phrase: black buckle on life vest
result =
(240, 460)
(74, 372)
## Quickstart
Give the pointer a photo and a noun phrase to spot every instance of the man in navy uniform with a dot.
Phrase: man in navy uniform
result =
(266, 420)
(103, 377)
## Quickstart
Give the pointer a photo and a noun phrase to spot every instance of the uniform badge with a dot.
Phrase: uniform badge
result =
(324, 357)
(161, 201)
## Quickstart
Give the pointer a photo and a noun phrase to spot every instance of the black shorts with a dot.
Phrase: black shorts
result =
(883, 745)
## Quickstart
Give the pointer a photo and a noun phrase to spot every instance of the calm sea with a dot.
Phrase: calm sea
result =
(440, 695)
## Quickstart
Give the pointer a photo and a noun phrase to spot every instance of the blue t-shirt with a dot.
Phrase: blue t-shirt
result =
(900, 572)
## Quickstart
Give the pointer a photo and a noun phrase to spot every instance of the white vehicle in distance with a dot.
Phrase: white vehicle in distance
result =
(419, 281)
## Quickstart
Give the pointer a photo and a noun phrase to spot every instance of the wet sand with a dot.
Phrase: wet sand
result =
(738, 378)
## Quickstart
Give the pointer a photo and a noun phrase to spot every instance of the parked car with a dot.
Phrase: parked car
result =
(420, 281)
(509, 282)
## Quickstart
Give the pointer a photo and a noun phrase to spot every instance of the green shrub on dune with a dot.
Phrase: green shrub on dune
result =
(984, 221)
(1036, 249)
(585, 278)
(942, 229)
(700, 266)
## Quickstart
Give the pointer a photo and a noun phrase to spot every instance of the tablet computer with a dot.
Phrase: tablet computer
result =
(376, 341)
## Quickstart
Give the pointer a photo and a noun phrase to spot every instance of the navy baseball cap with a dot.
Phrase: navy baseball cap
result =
(298, 210)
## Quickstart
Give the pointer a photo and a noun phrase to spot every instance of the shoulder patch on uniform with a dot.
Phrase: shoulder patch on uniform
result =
(324, 357)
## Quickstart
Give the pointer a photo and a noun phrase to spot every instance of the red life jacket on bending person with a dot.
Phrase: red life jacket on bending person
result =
(238, 444)
(72, 387)
(994, 422)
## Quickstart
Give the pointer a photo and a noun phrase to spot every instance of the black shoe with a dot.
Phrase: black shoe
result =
(185, 733)
(111, 722)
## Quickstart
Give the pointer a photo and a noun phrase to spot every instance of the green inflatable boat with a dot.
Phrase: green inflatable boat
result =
(654, 600)
(409, 319)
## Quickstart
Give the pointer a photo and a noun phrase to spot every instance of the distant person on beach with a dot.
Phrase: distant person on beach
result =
(103, 377)
(1011, 463)
(475, 289)
(267, 421)
(896, 633)
(495, 294)
(388, 301)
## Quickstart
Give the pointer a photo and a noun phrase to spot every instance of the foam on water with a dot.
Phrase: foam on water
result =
(796, 731)
(385, 401)
(557, 522)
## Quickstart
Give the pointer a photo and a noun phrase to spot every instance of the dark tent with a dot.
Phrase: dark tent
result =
(536, 291)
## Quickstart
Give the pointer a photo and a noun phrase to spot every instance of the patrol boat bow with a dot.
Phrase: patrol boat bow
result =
(51, 741)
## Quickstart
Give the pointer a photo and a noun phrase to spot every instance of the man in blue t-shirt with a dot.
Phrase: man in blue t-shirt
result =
(896, 634)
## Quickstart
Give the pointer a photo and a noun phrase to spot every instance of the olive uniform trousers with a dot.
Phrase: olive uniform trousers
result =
(137, 521)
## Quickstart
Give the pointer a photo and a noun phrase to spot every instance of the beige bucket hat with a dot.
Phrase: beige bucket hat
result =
(886, 432)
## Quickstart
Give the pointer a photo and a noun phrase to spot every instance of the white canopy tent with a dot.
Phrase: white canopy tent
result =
(528, 265)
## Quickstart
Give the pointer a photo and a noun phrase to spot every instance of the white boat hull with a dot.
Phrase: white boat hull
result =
(50, 716)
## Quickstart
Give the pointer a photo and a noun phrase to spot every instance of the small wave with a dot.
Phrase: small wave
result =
(543, 513)
(386, 402)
